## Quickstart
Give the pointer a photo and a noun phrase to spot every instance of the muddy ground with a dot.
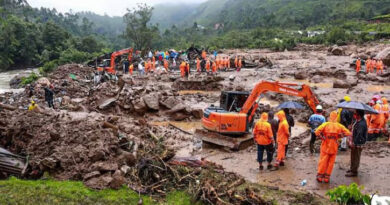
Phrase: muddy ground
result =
(143, 109)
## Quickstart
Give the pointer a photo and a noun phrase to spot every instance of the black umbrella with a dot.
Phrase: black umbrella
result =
(290, 105)
(357, 106)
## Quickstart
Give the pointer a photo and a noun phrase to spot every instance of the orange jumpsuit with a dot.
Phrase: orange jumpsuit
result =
(262, 132)
(153, 63)
(214, 67)
(208, 65)
(358, 65)
(204, 55)
(236, 62)
(239, 64)
(282, 137)
(331, 132)
(217, 62)
(147, 66)
(368, 65)
(166, 65)
(187, 68)
(182, 69)
(228, 63)
(131, 68)
(374, 121)
(197, 64)
(379, 67)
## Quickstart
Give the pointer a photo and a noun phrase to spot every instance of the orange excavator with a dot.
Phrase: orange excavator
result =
(109, 64)
(230, 124)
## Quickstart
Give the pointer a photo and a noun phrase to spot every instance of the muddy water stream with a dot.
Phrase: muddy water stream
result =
(5, 78)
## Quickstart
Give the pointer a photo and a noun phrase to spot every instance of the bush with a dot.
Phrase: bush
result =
(73, 56)
(348, 195)
(48, 67)
(30, 79)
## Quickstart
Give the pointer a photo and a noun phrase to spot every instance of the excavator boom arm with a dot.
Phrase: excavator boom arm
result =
(121, 52)
(278, 87)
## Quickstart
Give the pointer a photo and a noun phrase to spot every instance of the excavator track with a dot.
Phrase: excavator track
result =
(229, 142)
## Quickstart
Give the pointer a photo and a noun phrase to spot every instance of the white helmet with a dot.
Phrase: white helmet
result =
(319, 107)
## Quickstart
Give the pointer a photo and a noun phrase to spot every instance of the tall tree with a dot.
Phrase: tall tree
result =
(138, 32)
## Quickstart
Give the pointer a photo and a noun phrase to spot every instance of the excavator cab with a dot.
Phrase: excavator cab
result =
(233, 100)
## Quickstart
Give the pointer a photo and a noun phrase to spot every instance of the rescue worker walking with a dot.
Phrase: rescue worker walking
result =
(359, 138)
(263, 135)
(330, 131)
(358, 65)
(315, 121)
(282, 139)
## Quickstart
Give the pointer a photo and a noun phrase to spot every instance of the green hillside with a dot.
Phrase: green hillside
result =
(167, 15)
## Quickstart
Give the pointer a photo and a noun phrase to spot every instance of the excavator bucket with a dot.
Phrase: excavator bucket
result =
(229, 142)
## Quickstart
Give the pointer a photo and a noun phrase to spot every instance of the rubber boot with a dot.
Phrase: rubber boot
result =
(320, 178)
(326, 178)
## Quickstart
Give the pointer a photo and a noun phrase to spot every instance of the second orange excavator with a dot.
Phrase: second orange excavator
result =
(109, 64)
(230, 124)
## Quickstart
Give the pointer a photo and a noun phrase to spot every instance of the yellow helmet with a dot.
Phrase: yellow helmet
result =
(32, 102)
(347, 98)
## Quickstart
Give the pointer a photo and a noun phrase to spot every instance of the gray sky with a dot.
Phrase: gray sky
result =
(109, 7)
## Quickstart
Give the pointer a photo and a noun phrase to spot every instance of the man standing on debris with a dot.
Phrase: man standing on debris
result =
(358, 65)
(282, 139)
(359, 138)
(236, 63)
(208, 65)
(262, 134)
(187, 70)
(125, 66)
(49, 96)
(166, 65)
(239, 64)
(183, 67)
(368, 65)
(197, 65)
(315, 121)
(330, 131)
(214, 67)
(379, 67)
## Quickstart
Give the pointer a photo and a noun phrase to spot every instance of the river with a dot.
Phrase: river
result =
(5, 78)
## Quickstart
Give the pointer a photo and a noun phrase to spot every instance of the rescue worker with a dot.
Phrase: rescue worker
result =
(49, 96)
(228, 63)
(379, 67)
(374, 121)
(315, 121)
(263, 135)
(359, 138)
(187, 70)
(344, 117)
(183, 67)
(330, 131)
(236, 62)
(197, 65)
(291, 123)
(385, 110)
(131, 69)
(382, 117)
(166, 65)
(147, 66)
(204, 54)
(218, 62)
(208, 65)
(358, 65)
(368, 65)
(214, 67)
(239, 64)
(32, 106)
(125, 66)
(153, 67)
(282, 139)
(373, 65)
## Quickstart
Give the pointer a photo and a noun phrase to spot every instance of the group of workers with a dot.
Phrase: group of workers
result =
(353, 127)
(371, 65)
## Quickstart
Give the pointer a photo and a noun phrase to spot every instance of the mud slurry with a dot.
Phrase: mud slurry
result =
(111, 134)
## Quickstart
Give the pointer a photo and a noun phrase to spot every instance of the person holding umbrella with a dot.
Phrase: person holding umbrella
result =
(359, 133)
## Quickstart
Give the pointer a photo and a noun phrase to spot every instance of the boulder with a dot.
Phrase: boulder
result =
(337, 51)
(117, 180)
(170, 102)
(385, 56)
(301, 75)
(344, 83)
(316, 79)
(91, 175)
(152, 101)
(139, 106)
(15, 82)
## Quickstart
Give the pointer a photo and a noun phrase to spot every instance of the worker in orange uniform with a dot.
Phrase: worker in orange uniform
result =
(204, 54)
(228, 63)
(239, 64)
(374, 121)
(329, 132)
(197, 65)
(263, 135)
(187, 69)
(166, 65)
(147, 66)
(368, 65)
(183, 67)
(217, 62)
(282, 139)
(358, 65)
(131, 69)
(208, 65)
(236, 62)
(379, 67)
(153, 64)
(385, 111)
(373, 65)
(214, 67)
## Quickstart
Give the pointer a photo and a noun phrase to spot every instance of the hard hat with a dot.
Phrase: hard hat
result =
(347, 98)
(319, 107)
(32, 102)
